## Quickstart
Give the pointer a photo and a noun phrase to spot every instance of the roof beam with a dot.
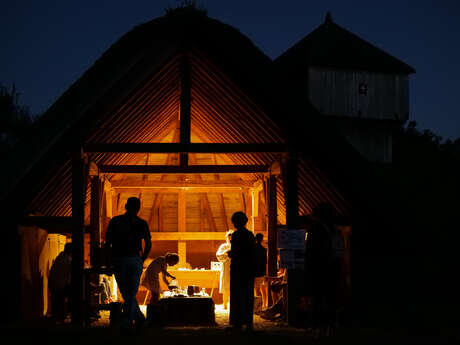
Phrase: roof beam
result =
(185, 108)
(189, 236)
(172, 190)
(192, 184)
(175, 169)
(184, 148)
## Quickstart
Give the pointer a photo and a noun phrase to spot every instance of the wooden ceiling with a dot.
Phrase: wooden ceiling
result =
(221, 112)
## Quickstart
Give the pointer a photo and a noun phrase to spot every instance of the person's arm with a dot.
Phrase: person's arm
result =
(169, 275)
(164, 279)
(165, 274)
(222, 254)
(147, 243)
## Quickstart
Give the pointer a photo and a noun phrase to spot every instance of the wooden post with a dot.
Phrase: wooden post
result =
(291, 191)
(249, 196)
(95, 218)
(78, 217)
(271, 226)
(292, 213)
(181, 245)
(185, 108)
(108, 199)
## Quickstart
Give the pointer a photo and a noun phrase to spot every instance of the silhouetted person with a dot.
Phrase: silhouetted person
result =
(260, 269)
(323, 253)
(125, 234)
(241, 274)
(59, 281)
(151, 279)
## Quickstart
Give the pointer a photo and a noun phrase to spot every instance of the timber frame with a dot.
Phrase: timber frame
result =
(183, 149)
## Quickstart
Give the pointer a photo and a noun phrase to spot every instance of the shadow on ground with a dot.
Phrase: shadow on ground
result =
(41, 332)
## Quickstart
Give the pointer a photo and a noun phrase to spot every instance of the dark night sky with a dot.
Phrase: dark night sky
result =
(47, 45)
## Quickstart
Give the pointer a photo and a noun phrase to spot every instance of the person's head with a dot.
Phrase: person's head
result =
(324, 212)
(68, 248)
(133, 205)
(259, 238)
(228, 236)
(171, 259)
(239, 219)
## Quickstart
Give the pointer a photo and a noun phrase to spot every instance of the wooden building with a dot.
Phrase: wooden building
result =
(187, 114)
(361, 90)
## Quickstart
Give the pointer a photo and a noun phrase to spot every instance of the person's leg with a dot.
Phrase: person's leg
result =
(58, 305)
(235, 318)
(135, 271)
(263, 292)
(121, 269)
(225, 298)
(250, 303)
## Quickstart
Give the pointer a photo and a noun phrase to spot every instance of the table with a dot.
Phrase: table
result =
(202, 278)
(184, 311)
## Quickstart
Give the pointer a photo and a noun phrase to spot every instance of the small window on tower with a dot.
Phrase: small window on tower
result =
(362, 88)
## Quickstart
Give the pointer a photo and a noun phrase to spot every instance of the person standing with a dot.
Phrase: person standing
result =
(241, 274)
(222, 256)
(125, 234)
(260, 266)
(59, 281)
(323, 253)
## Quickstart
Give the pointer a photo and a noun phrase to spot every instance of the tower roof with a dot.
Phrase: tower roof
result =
(330, 45)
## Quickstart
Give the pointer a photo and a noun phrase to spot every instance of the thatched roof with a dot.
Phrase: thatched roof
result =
(136, 83)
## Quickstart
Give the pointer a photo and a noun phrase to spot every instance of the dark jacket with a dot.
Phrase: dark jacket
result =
(125, 234)
(260, 260)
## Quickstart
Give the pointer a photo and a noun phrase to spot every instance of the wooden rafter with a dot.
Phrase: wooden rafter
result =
(247, 148)
(191, 169)
(220, 197)
(189, 184)
(156, 206)
(185, 107)
(204, 202)
(203, 137)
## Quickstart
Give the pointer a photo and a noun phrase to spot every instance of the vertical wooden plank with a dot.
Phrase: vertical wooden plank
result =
(185, 107)
(292, 215)
(224, 212)
(78, 219)
(161, 223)
(249, 204)
(291, 191)
(108, 199)
(207, 207)
(182, 245)
(202, 211)
(242, 202)
(95, 217)
(271, 226)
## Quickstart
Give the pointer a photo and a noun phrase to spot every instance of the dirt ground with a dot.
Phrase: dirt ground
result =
(265, 332)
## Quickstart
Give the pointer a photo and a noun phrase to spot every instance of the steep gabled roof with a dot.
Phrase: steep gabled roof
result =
(330, 45)
(133, 90)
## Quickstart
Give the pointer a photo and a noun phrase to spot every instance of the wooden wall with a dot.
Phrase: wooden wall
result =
(336, 92)
(373, 139)
(39, 249)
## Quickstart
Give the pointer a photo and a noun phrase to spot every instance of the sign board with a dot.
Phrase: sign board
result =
(291, 243)
(291, 238)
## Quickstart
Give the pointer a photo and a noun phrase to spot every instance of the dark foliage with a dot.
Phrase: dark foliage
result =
(15, 119)
(186, 7)
(424, 188)
(426, 173)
